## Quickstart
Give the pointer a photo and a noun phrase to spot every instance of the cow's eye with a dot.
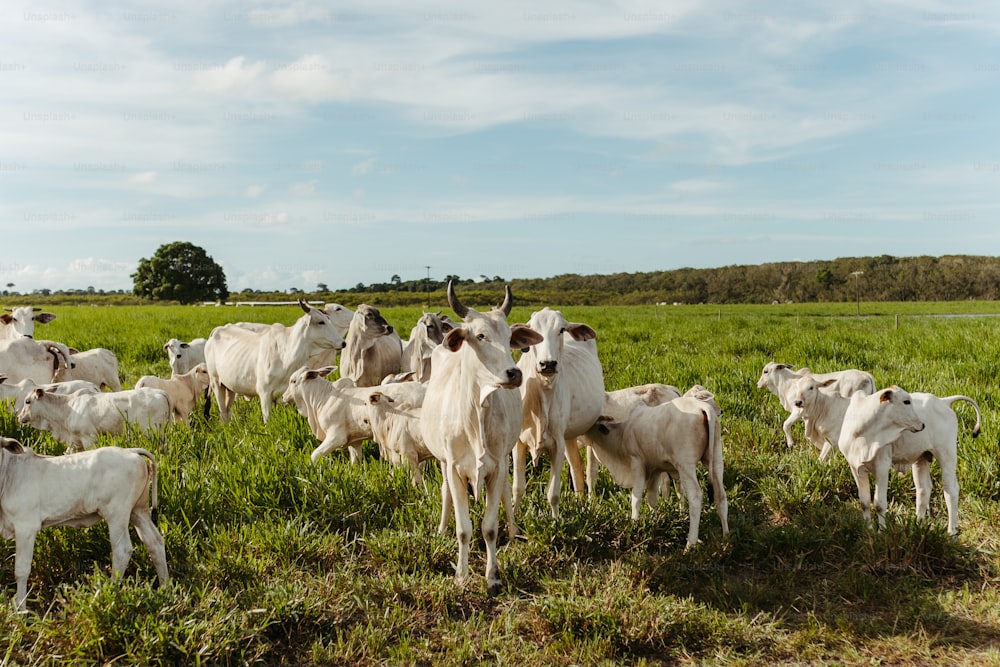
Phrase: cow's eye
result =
(481, 337)
(906, 402)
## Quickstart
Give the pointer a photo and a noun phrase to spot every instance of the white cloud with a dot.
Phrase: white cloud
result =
(232, 75)
(304, 189)
(143, 178)
(254, 191)
(366, 166)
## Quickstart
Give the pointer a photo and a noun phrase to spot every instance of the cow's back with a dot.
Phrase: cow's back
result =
(231, 356)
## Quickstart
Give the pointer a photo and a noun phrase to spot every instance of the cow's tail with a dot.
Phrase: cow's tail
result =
(716, 466)
(208, 401)
(979, 416)
(153, 487)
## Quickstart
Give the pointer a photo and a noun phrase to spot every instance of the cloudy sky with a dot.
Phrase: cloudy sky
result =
(305, 142)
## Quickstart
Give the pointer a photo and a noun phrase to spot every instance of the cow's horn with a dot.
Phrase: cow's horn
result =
(508, 301)
(460, 309)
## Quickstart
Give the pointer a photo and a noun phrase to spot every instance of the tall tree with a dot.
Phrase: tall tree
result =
(182, 272)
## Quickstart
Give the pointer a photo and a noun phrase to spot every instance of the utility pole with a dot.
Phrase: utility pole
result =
(857, 288)
(427, 286)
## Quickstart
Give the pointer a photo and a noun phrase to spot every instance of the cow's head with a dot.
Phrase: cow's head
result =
(768, 372)
(486, 341)
(552, 325)
(23, 318)
(433, 327)
(340, 316)
(804, 391)
(875, 421)
(299, 377)
(319, 329)
(368, 322)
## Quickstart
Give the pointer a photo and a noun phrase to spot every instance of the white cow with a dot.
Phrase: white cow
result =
(35, 360)
(424, 337)
(77, 419)
(20, 390)
(561, 397)
(373, 349)
(260, 363)
(893, 428)
(182, 389)
(78, 490)
(183, 356)
(337, 412)
(667, 438)
(778, 378)
(97, 365)
(471, 419)
(20, 321)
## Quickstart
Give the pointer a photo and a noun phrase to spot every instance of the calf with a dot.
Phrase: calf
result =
(372, 349)
(78, 490)
(78, 419)
(20, 390)
(427, 334)
(337, 411)
(778, 379)
(35, 360)
(667, 438)
(98, 365)
(183, 389)
(893, 428)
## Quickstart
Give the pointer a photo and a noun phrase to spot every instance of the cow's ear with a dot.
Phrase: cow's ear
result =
(886, 396)
(3, 378)
(166, 346)
(446, 325)
(522, 336)
(829, 382)
(44, 318)
(581, 331)
(184, 346)
(39, 392)
(6, 318)
(375, 397)
(453, 339)
(13, 446)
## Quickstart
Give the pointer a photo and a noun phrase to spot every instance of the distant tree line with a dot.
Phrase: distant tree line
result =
(883, 278)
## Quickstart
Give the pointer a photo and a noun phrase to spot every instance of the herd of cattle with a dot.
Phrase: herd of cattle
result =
(451, 393)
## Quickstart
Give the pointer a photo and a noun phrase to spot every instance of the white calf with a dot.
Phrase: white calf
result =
(893, 428)
(183, 389)
(98, 365)
(78, 490)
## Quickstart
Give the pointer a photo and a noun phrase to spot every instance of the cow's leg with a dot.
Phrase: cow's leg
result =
(356, 453)
(653, 487)
(593, 468)
(151, 537)
(266, 401)
(715, 477)
(694, 494)
(555, 476)
(824, 453)
(463, 522)
(445, 501)
(496, 485)
(638, 487)
(416, 470)
(795, 416)
(520, 473)
(882, 488)
(864, 492)
(575, 460)
(922, 484)
(224, 398)
(949, 482)
(121, 544)
(508, 508)
(329, 444)
(24, 539)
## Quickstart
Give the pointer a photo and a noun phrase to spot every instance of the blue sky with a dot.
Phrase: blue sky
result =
(307, 142)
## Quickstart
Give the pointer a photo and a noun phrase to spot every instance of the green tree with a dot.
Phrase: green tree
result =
(182, 272)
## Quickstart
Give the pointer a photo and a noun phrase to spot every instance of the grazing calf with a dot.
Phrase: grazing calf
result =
(778, 379)
(667, 438)
(183, 389)
(893, 428)
(98, 365)
(184, 356)
(561, 397)
(20, 390)
(471, 418)
(78, 490)
(77, 419)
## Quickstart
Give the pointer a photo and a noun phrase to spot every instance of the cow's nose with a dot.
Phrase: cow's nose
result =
(514, 376)
(388, 329)
(798, 404)
(547, 367)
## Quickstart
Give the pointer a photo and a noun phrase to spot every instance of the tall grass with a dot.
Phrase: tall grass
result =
(277, 560)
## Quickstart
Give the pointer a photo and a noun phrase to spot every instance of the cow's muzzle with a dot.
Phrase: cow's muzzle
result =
(513, 378)
(548, 368)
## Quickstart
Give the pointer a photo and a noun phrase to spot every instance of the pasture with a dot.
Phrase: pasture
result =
(276, 560)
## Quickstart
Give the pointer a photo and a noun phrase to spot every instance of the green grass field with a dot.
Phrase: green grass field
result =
(276, 560)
